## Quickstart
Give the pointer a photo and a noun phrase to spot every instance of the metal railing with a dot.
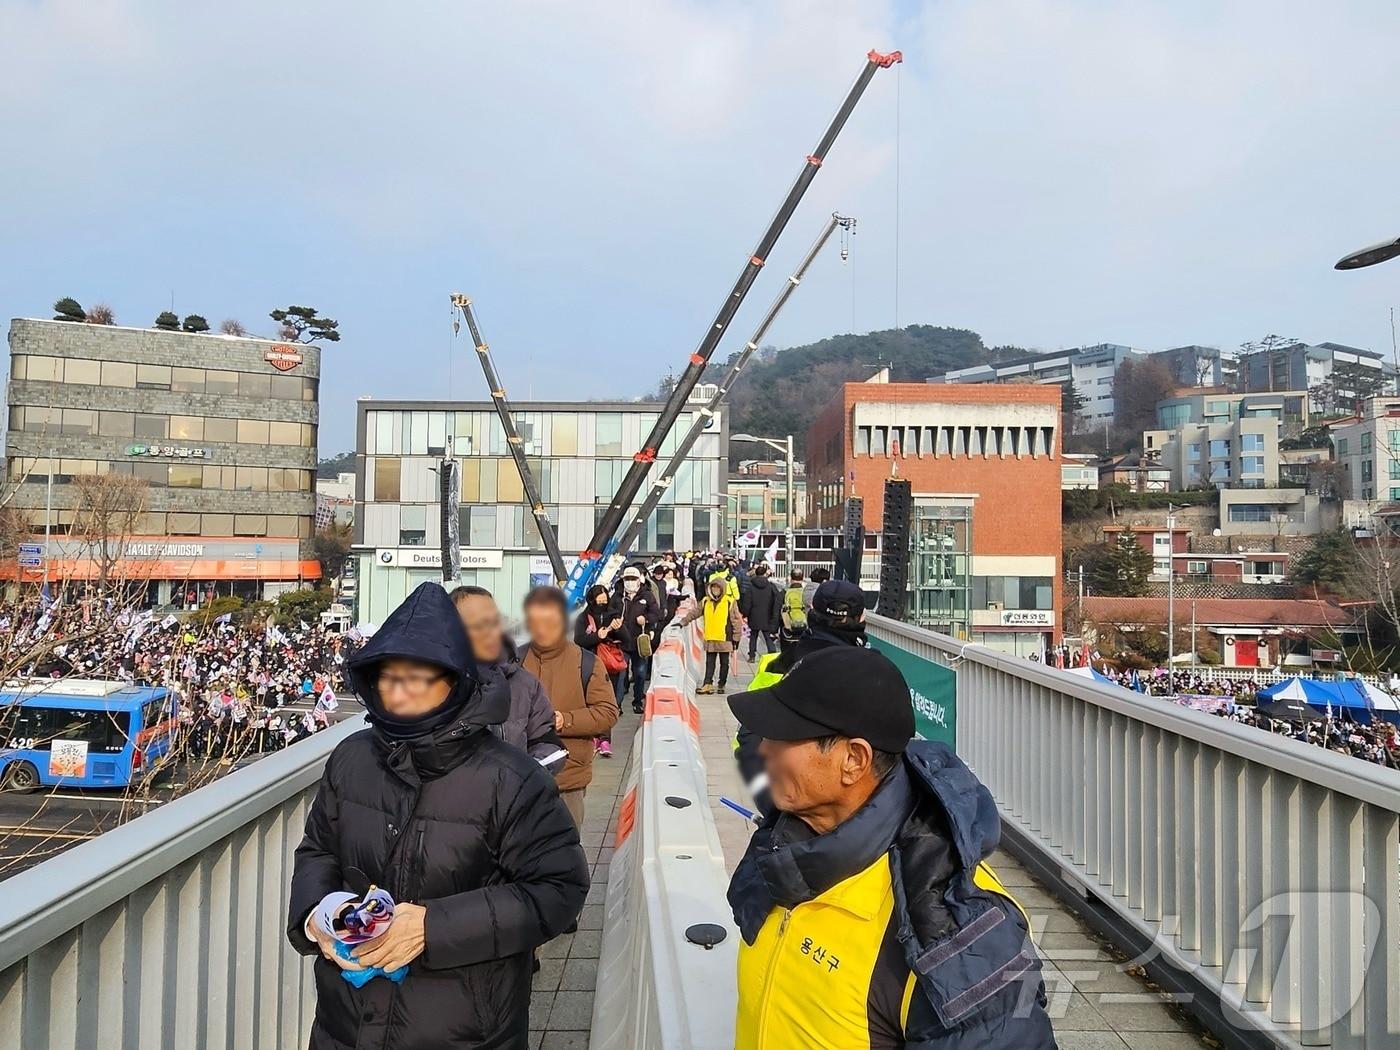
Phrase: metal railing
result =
(167, 933)
(1265, 868)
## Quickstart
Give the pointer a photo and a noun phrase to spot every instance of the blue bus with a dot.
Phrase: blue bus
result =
(83, 732)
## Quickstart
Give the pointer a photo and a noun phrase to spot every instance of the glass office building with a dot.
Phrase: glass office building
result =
(578, 452)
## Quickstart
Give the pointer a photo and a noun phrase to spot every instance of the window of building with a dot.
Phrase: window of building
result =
(779, 504)
(218, 381)
(1251, 512)
(179, 524)
(279, 433)
(152, 377)
(1219, 448)
(115, 424)
(308, 389)
(255, 385)
(1365, 441)
(218, 477)
(118, 374)
(1251, 442)
(1197, 568)
(564, 434)
(252, 432)
(413, 525)
(1193, 452)
(155, 474)
(186, 476)
(509, 488)
(471, 479)
(1341, 446)
(482, 530)
(187, 380)
(250, 524)
(700, 528)
(217, 428)
(1366, 466)
(79, 421)
(151, 428)
(751, 504)
(285, 525)
(76, 370)
(217, 524)
(250, 479)
(1395, 470)
(187, 428)
(285, 388)
(1394, 494)
(1251, 465)
(608, 431)
(665, 528)
(386, 479)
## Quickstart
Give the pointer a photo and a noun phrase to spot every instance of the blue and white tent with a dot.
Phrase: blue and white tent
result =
(1348, 698)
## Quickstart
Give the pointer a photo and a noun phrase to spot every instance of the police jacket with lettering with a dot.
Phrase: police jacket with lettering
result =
(878, 932)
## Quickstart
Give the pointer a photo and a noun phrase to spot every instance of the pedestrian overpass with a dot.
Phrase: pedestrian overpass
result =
(1254, 882)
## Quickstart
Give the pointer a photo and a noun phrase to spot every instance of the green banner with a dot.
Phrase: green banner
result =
(934, 689)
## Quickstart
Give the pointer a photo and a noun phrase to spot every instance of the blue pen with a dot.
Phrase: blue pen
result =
(747, 814)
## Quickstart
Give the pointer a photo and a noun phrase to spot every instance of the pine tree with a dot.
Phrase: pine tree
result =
(1331, 560)
(194, 323)
(1124, 568)
(167, 322)
(67, 309)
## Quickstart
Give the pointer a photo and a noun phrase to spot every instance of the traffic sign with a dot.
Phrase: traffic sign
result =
(31, 555)
(31, 548)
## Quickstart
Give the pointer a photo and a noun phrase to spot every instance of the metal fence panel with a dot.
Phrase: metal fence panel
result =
(1267, 868)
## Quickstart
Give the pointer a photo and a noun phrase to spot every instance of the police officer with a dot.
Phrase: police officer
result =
(863, 918)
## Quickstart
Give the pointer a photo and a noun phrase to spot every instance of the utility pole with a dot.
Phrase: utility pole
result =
(789, 539)
(1171, 597)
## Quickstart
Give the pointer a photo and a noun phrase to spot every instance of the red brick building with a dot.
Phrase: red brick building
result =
(984, 465)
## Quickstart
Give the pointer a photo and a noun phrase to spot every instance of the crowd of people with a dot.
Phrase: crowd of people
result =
(245, 687)
(1237, 699)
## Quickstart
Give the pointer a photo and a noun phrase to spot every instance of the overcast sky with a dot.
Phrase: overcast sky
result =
(594, 175)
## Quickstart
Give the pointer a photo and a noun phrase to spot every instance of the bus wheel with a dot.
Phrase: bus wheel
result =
(20, 777)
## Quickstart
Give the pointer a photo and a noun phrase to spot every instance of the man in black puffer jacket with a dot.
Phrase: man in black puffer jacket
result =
(465, 831)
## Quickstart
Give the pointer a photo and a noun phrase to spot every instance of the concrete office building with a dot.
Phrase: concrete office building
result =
(1367, 448)
(983, 462)
(1242, 454)
(1193, 365)
(1217, 405)
(222, 430)
(578, 452)
(1276, 513)
(1336, 376)
(1090, 368)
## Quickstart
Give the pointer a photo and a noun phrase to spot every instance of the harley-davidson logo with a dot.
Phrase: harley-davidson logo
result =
(283, 357)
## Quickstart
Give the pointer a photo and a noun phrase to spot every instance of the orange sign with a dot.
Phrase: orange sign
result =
(282, 357)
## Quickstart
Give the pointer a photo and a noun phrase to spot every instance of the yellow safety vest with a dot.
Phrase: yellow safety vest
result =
(828, 973)
(716, 615)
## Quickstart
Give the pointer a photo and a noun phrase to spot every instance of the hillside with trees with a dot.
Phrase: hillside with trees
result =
(781, 391)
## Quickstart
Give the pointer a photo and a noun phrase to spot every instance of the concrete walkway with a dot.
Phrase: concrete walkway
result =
(1095, 1003)
(561, 1004)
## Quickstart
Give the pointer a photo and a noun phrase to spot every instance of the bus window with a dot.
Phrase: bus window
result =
(35, 728)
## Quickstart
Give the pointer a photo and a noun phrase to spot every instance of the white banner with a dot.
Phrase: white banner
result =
(427, 558)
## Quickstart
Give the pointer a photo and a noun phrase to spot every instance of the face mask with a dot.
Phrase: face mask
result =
(631, 586)
(601, 601)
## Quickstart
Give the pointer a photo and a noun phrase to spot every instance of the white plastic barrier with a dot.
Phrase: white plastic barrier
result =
(657, 987)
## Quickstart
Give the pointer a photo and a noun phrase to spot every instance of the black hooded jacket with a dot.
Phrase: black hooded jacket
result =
(446, 815)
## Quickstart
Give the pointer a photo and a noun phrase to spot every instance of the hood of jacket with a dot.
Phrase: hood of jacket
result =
(973, 823)
(426, 628)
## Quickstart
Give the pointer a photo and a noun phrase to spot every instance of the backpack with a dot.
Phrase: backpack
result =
(794, 612)
(586, 664)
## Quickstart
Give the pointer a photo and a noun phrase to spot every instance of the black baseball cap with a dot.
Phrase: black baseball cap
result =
(839, 598)
(838, 691)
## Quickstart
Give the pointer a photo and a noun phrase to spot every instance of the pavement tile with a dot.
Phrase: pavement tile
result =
(557, 948)
(547, 980)
(579, 975)
(540, 1005)
(591, 918)
(572, 1011)
(565, 1041)
(1088, 1041)
(587, 944)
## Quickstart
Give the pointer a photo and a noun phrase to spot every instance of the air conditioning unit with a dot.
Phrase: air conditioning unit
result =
(996, 606)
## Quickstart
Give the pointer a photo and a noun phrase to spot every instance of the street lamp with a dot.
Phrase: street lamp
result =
(735, 497)
(1171, 599)
(783, 445)
(1376, 253)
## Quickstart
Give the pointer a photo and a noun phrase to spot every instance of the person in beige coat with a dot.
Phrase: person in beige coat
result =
(584, 707)
(722, 627)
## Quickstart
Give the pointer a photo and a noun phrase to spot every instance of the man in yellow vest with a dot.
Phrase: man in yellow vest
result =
(862, 921)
